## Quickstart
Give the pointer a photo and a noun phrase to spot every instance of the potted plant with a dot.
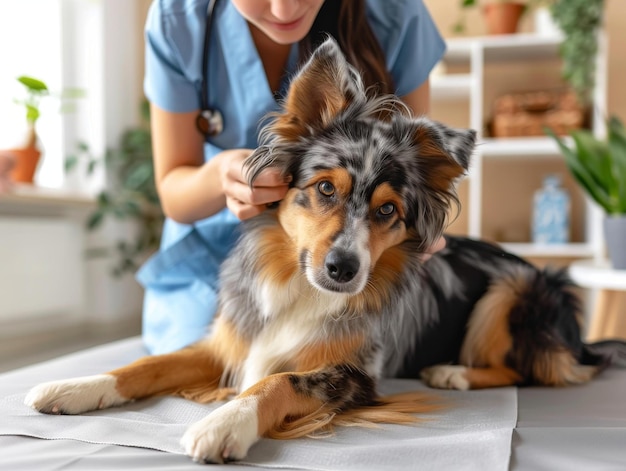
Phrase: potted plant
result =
(28, 156)
(599, 166)
(501, 16)
(130, 196)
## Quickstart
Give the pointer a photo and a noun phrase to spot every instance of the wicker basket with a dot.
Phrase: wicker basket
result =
(528, 113)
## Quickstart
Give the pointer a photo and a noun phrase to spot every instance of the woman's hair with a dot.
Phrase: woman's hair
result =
(346, 21)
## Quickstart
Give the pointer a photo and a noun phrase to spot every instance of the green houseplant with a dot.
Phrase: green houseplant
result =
(599, 166)
(131, 194)
(580, 22)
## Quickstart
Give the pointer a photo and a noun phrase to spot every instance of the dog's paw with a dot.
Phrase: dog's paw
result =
(225, 434)
(76, 395)
(446, 377)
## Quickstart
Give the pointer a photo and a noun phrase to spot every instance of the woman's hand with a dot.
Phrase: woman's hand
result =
(245, 201)
(433, 249)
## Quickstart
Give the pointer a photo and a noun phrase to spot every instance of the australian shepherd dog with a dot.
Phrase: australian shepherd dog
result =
(329, 291)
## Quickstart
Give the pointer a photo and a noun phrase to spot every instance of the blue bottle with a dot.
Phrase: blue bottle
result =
(551, 213)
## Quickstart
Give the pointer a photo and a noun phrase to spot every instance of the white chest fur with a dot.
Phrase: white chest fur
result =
(294, 318)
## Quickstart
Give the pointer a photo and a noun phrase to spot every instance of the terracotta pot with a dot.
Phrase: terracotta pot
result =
(503, 17)
(26, 159)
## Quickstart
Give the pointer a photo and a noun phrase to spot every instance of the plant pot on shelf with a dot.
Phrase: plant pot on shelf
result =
(615, 237)
(26, 159)
(502, 17)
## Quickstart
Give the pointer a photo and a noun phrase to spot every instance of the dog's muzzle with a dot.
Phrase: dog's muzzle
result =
(341, 266)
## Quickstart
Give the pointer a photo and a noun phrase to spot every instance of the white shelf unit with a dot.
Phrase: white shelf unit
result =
(472, 55)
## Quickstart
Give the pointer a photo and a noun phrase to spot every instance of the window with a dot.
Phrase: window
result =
(92, 45)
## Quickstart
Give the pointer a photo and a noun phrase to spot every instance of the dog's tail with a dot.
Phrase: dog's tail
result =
(605, 353)
(403, 408)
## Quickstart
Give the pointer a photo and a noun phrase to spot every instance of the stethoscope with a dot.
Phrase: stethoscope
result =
(209, 121)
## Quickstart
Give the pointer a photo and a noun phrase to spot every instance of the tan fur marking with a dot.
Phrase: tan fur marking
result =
(313, 228)
(496, 376)
(276, 399)
(169, 373)
(560, 369)
(488, 339)
(442, 169)
(385, 274)
(226, 344)
(278, 260)
(381, 236)
(328, 353)
(192, 372)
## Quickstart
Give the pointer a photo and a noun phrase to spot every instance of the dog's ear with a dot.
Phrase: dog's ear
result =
(447, 150)
(324, 87)
(442, 157)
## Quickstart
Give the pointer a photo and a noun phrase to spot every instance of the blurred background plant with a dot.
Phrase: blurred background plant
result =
(580, 22)
(130, 194)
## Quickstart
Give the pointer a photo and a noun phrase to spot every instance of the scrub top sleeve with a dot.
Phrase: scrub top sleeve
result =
(165, 83)
(419, 48)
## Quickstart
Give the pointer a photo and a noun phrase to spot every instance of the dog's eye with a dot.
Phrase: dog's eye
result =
(326, 188)
(386, 209)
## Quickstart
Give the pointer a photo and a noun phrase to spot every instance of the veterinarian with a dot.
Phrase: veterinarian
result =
(213, 71)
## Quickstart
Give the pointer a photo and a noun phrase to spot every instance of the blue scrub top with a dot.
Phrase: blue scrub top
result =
(180, 280)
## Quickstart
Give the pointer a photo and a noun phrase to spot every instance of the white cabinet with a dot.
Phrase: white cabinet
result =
(497, 195)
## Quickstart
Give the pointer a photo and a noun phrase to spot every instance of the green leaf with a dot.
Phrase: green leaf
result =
(138, 176)
(33, 84)
(91, 166)
(617, 145)
(32, 113)
(580, 172)
(595, 156)
(70, 162)
(104, 200)
(95, 220)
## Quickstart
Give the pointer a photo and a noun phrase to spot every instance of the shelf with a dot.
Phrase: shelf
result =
(25, 199)
(520, 146)
(597, 274)
(507, 47)
(573, 250)
(33, 194)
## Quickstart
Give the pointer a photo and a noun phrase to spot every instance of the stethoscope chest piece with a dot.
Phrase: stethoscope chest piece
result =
(210, 122)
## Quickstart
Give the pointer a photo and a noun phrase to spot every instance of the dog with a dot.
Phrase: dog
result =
(328, 292)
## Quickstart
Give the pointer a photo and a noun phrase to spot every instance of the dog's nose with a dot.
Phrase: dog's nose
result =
(341, 266)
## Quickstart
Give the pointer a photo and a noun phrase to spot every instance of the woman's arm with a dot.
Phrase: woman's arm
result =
(419, 99)
(191, 189)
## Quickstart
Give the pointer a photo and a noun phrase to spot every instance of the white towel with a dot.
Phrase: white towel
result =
(474, 433)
